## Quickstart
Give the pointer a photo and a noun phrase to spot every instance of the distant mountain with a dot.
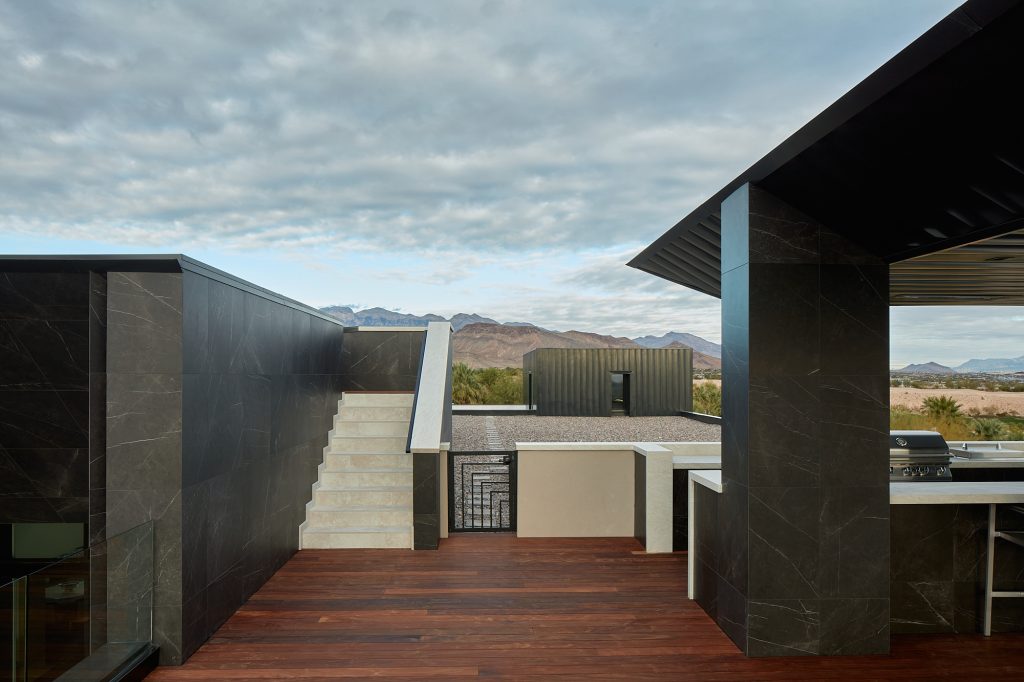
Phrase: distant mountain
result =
(460, 320)
(997, 365)
(700, 360)
(926, 368)
(484, 342)
(502, 345)
(381, 317)
(695, 342)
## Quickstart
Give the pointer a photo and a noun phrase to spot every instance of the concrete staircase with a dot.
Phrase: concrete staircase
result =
(363, 497)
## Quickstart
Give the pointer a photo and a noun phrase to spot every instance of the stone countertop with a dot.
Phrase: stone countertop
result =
(957, 492)
(939, 492)
(696, 462)
(708, 479)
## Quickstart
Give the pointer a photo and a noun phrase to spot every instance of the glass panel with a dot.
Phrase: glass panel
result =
(82, 616)
(12, 630)
(618, 394)
(58, 617)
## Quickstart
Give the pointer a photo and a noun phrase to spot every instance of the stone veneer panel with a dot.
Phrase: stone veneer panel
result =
(803, 521)
(143, 431)
(261, 385)
(44, 397)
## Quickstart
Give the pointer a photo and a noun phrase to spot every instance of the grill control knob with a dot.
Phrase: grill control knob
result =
(941, 471)
(906, 471)
(890, 471)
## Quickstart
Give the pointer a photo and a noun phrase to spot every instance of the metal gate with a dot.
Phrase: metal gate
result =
(482, 491)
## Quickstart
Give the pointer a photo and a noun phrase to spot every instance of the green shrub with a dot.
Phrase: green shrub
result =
(989, 429)
(941, 407)
(707, 399)
(487, 386)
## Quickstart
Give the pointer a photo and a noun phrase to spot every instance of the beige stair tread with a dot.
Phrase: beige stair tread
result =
(368, 488)
(370, 470)
(360, 508)
(356, 529)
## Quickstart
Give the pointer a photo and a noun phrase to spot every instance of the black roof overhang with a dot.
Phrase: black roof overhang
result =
(925, 155)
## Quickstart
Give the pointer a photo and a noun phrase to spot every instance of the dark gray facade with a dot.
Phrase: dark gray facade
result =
(157, 388)
(803, 521)
(578, 381)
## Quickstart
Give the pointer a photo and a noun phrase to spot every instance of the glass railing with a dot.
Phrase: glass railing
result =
(82, 617)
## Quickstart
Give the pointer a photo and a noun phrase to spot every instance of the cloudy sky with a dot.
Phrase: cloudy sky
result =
(490, 156)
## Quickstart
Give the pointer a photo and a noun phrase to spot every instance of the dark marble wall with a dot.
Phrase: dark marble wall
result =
(44, 397)
(261, 383)
(939, 555)
(180, 399)
(144, 430)
(680, 509)
(706, 545)
(804, 440)
(381, 360)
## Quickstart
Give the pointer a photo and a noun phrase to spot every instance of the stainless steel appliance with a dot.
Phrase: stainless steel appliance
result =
(918, 456)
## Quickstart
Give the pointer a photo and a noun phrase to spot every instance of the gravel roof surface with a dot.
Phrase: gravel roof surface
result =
(469, 432)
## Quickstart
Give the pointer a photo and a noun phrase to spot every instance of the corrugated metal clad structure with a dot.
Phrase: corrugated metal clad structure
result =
(580, 382)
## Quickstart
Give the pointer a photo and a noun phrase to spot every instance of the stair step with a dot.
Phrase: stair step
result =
(356, 517)
(347, 461)
(396, 537)
(377, 399)
(366, 427)
(367, 479)
(369, 496)
(368, 444)
(375, 412)
(363, 497)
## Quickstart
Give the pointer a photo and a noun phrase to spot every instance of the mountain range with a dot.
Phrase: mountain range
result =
(481, 341)
(974, 366)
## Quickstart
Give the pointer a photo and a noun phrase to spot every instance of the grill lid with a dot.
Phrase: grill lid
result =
(917, 443)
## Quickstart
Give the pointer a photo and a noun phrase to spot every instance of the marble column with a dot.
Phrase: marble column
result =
(426, 497)
(803, 521)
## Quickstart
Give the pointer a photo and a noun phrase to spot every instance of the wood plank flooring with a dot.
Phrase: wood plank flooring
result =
(497, 606)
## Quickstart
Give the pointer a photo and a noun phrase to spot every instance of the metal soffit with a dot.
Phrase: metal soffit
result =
(920, 164)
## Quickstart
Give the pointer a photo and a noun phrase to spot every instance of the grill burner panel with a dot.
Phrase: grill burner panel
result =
(918, 456)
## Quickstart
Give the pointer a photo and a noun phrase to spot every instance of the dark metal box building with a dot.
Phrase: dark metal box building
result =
(602, 382)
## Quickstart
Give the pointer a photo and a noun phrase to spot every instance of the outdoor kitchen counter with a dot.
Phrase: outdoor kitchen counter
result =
(939, 580)
(957, 492)
(943, 492)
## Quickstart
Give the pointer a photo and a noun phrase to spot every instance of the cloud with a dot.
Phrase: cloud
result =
(497, 126)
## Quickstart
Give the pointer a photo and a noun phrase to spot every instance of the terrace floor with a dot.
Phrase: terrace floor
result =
(498, 606)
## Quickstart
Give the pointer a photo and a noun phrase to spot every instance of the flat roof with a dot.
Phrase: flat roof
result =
(148, 262)
(924, 156)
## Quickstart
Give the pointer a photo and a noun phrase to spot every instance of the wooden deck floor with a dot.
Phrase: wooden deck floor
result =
(526, 609)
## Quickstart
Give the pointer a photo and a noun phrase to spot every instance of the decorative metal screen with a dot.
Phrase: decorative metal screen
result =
(481, 491)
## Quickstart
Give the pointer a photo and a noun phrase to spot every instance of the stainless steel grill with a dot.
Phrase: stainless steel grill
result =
(918, 456)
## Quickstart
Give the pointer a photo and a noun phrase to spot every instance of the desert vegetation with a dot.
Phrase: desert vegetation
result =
(959, 381)
(944, 414)
(707, 398)
(487, 386)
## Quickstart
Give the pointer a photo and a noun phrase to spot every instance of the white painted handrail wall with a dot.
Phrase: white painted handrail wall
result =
(431, 401)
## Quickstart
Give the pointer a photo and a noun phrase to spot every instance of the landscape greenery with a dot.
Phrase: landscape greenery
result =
(945, 415)
(487, 386)
(1013, 385)
(942, 413)
(707, 399)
